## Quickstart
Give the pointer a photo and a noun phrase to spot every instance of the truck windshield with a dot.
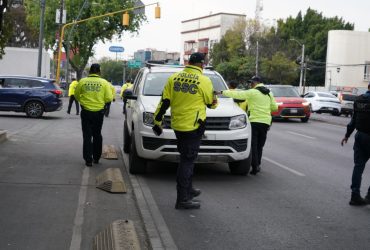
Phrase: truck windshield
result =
(154, 83)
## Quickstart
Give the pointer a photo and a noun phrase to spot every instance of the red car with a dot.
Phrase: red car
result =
(291, 105)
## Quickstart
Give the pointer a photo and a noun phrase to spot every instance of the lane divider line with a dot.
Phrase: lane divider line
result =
(79, 217)
(284, 167)
(306, 136)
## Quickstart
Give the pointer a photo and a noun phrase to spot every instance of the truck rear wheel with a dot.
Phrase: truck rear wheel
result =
(137, 164)
(240, 167)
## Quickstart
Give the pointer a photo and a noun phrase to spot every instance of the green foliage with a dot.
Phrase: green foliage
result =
(84, 35)
(240, 69)
(279, 69)
(277, 54)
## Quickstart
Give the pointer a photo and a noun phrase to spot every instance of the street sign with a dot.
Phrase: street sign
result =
(116, 49)
(133, 64)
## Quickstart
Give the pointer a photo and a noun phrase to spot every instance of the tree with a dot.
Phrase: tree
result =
(85, 35)
(312, 30)
(279, 69)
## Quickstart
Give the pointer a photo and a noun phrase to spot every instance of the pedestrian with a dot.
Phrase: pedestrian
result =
(93, 92)
(261, 103)
(71, 94)
(188, 93)
(127, 85)
(107, 105)
(360, 121)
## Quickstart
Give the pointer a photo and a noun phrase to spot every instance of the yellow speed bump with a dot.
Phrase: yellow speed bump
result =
(120, 235)
(111, 180)
(109, 152)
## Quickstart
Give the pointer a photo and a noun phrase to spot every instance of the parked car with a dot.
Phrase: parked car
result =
(32, 95)
(291, 105)
(228, 132)
(323, 102)
(346, 101)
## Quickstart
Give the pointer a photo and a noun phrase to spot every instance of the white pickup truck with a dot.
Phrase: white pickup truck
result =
(227, 137)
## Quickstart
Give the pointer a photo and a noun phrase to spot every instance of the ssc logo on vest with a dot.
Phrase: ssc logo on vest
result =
(185, 87)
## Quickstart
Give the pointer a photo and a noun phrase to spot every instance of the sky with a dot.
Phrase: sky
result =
(165, 33)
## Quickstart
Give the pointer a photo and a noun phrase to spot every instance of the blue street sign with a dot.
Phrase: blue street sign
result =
(116, 49)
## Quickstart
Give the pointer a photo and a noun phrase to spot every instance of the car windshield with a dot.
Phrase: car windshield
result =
(155, 82)
(284, 91)
(328, 95)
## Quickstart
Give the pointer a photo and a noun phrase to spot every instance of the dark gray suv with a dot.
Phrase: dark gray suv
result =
(32, 95)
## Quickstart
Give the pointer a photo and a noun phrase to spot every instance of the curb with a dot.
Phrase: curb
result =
(158, 233)
(3, 136)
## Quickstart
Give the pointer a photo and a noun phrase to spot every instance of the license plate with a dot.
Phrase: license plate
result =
(294, 111)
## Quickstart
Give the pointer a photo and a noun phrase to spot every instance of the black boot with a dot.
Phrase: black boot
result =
(189, 204)
(194, 192)
(357, 200)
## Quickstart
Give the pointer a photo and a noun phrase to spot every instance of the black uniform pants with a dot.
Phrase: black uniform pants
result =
(188, 144)
(71, 100)
(92, 123)
(259, 135)
(361, 150)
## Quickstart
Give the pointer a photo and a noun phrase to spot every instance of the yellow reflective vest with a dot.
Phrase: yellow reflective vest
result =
(188, 93)
(93, 92)
(125, 86)
(72, 87)
(260, 105)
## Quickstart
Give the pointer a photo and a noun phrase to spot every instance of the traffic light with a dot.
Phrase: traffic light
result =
(126, 19)
(157, 13)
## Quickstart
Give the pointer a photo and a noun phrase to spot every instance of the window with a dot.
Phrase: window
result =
(137, 82)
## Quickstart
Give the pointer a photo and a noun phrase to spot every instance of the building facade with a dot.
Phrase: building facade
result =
(200, 34)
(347, 60)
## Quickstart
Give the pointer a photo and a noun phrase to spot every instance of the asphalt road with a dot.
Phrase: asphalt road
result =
(298, 201)
(49, 199)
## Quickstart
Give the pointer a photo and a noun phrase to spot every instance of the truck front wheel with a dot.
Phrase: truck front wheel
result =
(137, 164)
(240, 167)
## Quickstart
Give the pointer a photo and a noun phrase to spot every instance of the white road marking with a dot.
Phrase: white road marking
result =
(306, 136)
(283, 167)
(79, 217)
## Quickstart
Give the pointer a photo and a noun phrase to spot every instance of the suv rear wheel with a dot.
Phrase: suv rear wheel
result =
(304, 119)
(240, 167)
(137, 164)
(34, 109)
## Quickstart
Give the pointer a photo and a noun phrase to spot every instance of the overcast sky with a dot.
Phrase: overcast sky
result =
(165, 33)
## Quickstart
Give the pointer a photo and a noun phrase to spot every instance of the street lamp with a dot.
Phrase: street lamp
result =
(302, 64)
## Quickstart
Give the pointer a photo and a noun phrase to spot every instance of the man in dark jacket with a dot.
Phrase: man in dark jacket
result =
(361, 122)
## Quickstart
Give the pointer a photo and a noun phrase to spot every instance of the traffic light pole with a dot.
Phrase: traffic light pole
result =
(57, 77)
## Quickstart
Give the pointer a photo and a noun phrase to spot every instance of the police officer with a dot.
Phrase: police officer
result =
(261, 103)
(361, 122)
(71, 94)
(233, 85)
(125, 86)
(188, 93)
(93, 92)
(107, 105)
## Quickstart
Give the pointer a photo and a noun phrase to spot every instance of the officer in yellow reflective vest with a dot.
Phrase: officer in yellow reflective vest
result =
(93, 92)
(71, 94)
(188, 93)
(261, 103)
(125, 86)
(107, 106)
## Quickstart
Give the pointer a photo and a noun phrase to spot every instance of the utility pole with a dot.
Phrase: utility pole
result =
(302, 68)
(41, 38)
(61, 10)
(257, 55)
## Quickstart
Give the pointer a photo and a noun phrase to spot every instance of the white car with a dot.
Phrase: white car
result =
(228, 132)
(323, 102)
